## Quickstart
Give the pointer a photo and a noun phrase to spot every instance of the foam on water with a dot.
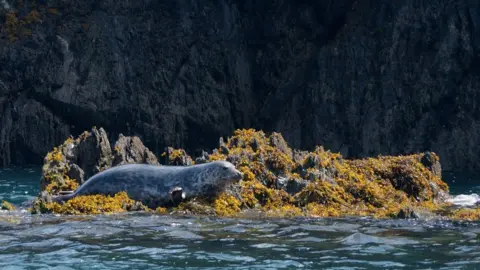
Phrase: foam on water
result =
(464, 200)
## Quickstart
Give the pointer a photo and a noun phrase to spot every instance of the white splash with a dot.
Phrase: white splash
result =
(465, 200)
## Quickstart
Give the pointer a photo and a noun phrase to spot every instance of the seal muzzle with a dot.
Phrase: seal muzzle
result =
(238, 175)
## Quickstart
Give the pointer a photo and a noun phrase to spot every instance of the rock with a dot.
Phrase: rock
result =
(295, 185)
(94, 153)
(291, 185)
(407, 213)
(79, 159)
(440, 195)
(222, 147)
(203, 158)
(327, 186)
(255, 144)
(195, 207)
(311, 161)
(129, 150)
(277, 141)
(52, 172)
(281, 183)
(76, 173)
(432, 162)
(38, 205)
(136, 206)
(177, 157)
(69, 149)
(299, 156)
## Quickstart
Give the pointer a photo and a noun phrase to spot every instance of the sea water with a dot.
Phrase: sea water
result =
(144, 241)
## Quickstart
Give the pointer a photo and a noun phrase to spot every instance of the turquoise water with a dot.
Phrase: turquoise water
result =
(19, 184)
(143, 241)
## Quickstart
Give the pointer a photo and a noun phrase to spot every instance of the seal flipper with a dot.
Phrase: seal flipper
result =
(62, 198)
(176, 195)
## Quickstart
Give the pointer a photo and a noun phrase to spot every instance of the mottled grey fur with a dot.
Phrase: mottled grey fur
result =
(151, 184)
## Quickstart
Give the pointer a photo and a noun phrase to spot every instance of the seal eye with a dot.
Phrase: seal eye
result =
(225, 168)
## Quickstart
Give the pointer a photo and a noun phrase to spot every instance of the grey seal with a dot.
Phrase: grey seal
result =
(159, 185)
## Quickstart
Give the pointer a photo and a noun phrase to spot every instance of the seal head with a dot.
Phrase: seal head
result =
(217, 175)
(226, 171)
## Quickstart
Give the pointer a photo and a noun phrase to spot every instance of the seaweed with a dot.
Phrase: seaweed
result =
(7, 206)
(279, 181)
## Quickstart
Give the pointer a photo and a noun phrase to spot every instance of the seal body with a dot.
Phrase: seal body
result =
(156, 185)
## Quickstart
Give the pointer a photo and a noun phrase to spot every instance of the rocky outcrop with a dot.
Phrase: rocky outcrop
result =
(92, 153)
(73, 162)
(432, 162)
(179, 157)
(359, 77)
(131, 150)
(277, 180)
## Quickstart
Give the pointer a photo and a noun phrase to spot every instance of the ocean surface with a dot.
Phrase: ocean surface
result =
(143, 241)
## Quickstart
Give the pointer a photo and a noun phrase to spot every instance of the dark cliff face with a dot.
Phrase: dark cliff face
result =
(360, 77)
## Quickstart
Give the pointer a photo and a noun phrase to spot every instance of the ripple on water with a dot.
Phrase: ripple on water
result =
(265, 245)
(155, 251)
(283, 263)
(182, 234)
(237, 228)
(362, 239)
(146, 242)
(309, 239)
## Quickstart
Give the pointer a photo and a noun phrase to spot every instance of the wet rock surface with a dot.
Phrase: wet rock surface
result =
(360, 77)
